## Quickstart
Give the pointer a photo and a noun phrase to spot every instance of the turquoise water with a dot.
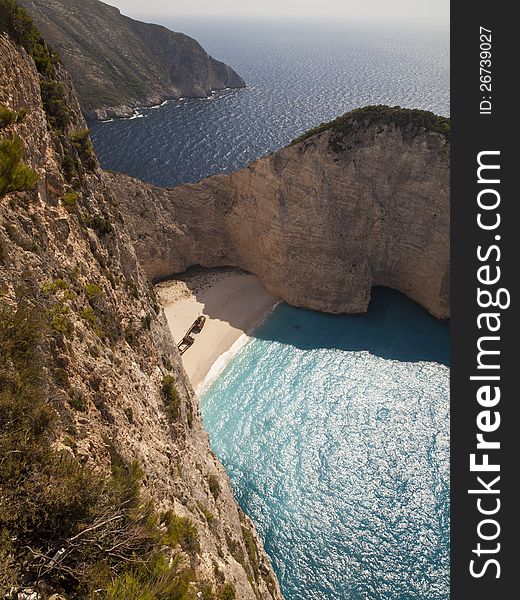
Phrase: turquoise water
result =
(334, 431)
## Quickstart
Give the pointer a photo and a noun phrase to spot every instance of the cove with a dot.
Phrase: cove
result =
(335, 433)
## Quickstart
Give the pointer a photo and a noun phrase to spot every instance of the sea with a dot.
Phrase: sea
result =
(298, 75)
(333, 429)
(335, 433)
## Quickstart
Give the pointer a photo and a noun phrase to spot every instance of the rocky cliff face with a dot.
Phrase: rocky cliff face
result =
(359, 202)
(103, 370)
(118, 64)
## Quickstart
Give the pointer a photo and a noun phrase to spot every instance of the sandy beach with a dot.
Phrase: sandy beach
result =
(234, 303)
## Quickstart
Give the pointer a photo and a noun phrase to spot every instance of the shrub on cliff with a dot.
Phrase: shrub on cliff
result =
(70, 202)
(9, 117)
(405, 118)
(14, 176)
(55, 104)
(19, 26)
(157, 581)
(180, 530)
(82, 143)
(171, 397)
(62, 526)
(227, 592)
(15, 21)
(76, 149)
(214, 486)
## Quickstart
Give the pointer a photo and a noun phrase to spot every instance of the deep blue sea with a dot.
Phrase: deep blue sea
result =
(334, 429)
(298, 75)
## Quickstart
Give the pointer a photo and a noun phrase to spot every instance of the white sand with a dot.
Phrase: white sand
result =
(233, 302)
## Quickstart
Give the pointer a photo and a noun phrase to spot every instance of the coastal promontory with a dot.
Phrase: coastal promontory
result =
(118, 64)
(360, 202)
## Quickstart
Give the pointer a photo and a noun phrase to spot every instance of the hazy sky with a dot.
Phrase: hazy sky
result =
(406, 10)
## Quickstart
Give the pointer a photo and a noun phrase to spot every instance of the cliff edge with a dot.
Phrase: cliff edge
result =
(359, 202)
(108, 486)
(118, 64)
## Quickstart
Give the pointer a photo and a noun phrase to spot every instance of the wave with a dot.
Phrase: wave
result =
(158, 105)
(223, 359)
(221, 363)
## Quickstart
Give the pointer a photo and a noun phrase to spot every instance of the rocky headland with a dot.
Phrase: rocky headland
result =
(359, 202)
(118, 64)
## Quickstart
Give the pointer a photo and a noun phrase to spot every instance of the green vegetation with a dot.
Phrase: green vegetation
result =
(147, 322)
(227, 592)
(224, 592)
(171, 397)
(70, 202)
(181, 531)
(78, 159)
(411, 120)
(60, 320)
(251, 550)
(82, 143)
(206, 589)
(76, 150)
(132, 288)
(9, 117)
(236, 550)
(167, 363)
(74, 274)
(155, 580)
(69, 168)
(60, 522)
(208, 515)
(14, 176)
(61, 378)
(189, 414)
(214, 486)
(93, 291)
(55, 286)
(252, 553)
(18, 24)
(101, 225)
(88, 315)
(55, 104)
(101, 315)
(78, 401)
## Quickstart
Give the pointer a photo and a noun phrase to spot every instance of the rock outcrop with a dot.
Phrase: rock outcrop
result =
(359, 202)
(118, 63)
(107, 372)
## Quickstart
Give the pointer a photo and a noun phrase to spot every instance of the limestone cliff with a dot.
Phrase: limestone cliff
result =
(118, 63)
(359, 202)
(91, 383)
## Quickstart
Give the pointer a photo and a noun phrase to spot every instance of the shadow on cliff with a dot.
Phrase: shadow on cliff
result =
(394, 328)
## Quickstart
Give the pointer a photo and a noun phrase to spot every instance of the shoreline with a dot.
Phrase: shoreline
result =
(136, 111)
(234, 303)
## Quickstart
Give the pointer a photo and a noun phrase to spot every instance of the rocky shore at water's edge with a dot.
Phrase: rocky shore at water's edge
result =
(119, 64)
